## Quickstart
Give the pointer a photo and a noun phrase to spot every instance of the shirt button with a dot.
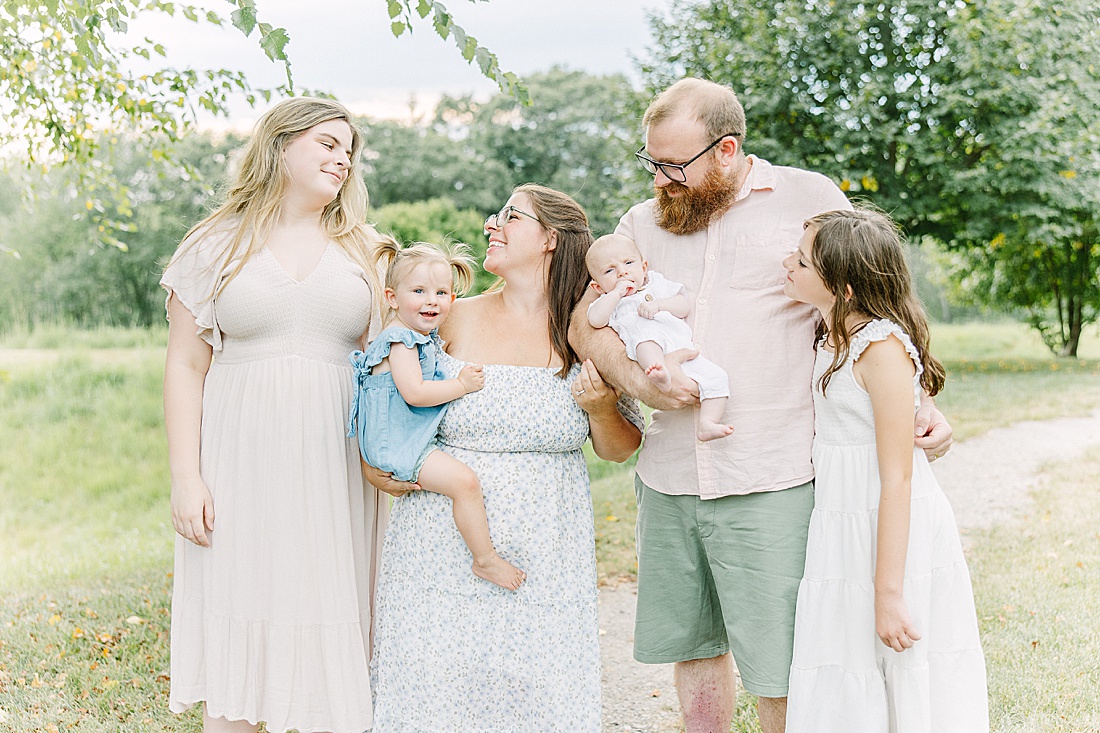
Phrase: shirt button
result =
(702, 301)
(711, 258)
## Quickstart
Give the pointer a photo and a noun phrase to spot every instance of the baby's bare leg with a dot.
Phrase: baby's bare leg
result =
(711, 426)
(651, 357)
(444, 474)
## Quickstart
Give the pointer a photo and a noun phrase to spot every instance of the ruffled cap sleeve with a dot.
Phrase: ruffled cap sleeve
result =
(881, 330)
(194, 277)
(379, 347)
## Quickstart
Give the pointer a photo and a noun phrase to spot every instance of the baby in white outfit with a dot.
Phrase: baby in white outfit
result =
(648, 311)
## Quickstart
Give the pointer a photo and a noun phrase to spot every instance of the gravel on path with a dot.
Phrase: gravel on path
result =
(988, 480)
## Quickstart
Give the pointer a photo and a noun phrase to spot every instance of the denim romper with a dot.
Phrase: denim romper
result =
(394, 436)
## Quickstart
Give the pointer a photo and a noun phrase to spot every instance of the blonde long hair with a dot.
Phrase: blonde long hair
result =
(398, 261)
(255, 197)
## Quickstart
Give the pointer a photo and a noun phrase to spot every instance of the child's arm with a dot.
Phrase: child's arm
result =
(886, 372)
(678, 305)
(418, 392)
(599, 315)
(608, 353)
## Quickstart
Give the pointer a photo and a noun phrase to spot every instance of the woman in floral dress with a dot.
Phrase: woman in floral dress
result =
(453, 652)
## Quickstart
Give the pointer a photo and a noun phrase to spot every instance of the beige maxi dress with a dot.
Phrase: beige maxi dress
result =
(272, 621)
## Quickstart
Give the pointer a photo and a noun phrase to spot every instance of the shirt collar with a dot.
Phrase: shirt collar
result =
(761, 177)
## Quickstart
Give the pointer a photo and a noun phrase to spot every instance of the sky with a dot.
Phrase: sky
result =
(345, 47)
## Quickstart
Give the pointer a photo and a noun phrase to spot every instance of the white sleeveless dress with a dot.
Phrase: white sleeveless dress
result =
(843, 678)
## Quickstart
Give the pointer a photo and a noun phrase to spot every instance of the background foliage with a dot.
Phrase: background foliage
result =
(973, 123)
(976, 125)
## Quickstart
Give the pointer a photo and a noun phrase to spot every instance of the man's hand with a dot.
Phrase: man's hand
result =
(684, 391)
(931, 431)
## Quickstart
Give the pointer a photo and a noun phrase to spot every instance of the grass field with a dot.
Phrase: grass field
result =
(85, 544)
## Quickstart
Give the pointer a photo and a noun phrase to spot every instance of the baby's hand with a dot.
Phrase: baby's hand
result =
(624, 288)
(472, 377)
(648, 309)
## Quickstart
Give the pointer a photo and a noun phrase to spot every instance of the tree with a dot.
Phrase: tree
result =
(578, 134)
(418, 161)
(69, 91)
(62, 275)
(66, 87)
(1024, 203)
(844, 87)
(896, 102)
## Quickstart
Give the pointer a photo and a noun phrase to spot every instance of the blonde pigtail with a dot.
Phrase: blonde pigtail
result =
(462, 265)
(384, 254)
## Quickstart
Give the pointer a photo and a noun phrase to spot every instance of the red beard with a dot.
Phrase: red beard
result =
(694, 208)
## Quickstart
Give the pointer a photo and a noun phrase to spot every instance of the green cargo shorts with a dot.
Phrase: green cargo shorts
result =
(722, 575)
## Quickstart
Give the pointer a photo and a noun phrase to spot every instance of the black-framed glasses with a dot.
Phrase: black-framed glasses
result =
(676, 171)
(502, 217)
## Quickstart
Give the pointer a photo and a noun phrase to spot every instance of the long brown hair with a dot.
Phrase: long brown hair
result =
(568, 276)
(862, 250)
(254, 200)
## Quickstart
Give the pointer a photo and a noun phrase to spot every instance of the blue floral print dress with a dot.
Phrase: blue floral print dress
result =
(456, 653)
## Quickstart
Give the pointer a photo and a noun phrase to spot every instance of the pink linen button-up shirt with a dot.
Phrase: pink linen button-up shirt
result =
(742, 321)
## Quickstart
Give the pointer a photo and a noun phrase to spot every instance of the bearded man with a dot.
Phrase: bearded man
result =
(722, 525)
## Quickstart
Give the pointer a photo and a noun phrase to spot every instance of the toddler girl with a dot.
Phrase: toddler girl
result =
(647, 311)
(402, 393)
(886, 637)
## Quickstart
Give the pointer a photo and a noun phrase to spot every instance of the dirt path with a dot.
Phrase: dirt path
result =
(988, 479)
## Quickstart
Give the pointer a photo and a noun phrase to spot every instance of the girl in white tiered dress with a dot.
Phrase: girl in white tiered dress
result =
(886, 636)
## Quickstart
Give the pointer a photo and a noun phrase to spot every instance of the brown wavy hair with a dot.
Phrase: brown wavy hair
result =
(568, 276)
(862, 249)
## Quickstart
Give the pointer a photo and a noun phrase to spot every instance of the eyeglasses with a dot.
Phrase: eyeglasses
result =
(502, 217)
(676, 171)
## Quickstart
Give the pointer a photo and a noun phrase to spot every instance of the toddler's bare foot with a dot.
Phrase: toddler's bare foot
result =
(497, 570)
(660, 376)
(709, 430)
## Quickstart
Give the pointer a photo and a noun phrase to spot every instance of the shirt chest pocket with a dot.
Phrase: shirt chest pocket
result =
(758, 260)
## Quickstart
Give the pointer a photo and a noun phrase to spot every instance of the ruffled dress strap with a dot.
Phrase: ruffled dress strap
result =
(363, 362)
(194, 276)
(880, 330)
(380, 346)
